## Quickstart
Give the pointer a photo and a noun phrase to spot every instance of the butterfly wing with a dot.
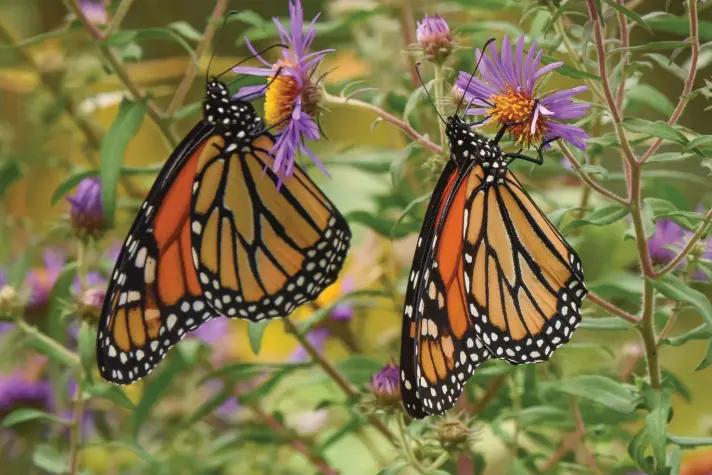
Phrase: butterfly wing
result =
(439, 348)
(260, 250)
(527, 282)
(154, 296)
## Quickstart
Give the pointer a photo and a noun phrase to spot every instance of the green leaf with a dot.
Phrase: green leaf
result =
(667, 64)
(9, 173)
(358, 369)
(394, 468)
(86, 345)
(60, 295)
(600, 217)
(568, 71)
(701, 332)
(679, 25)
(18, 271)
(637, 448)
(629, 13)
(600, 389)
(594, 170)
(652, 45)
(113, 147)
(701, 141)
(154, 391)
(255, 331)
(247, 16)
(605, 324)
(123, 38)
(186, 30)
(241, 371)
(675, 289)
(49, 459)
(669, 157)
(707, 360)
(690, 442)
(113, 393)
(658, 403)
(651, 97)
(674, 461)
(128, 445)
(658, 129)
(415, 98)
(648, 220)
(24, 415)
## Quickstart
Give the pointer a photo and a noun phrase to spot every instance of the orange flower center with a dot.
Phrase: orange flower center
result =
(517, 106)
(283, 92)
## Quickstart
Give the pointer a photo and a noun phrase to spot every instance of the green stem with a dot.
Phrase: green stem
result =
(437, 463)
(48, 342)
(412, 460)
(81, 265)
(438, 93)
(75, 437)
(118, 17)
(647, 333)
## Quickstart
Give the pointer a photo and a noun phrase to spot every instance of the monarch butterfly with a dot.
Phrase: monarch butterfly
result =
(216, 236)
(491, 277)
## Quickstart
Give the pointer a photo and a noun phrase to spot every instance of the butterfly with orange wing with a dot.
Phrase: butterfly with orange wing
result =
(491, 276)
(217, 236)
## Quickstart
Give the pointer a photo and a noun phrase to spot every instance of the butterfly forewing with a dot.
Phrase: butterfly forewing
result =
(154, 296)
(262, 250)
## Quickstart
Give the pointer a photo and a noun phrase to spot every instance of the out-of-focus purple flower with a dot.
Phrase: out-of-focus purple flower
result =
(433, 35)
(508, 93)
(89, 304)
(17, 390)
(317, 338)
(213, 331)
(292, 98)
(228, 408)
(386, 383)
(668, 235)
(42, 280)
(87, 211)
(344, 311)
(95, 11)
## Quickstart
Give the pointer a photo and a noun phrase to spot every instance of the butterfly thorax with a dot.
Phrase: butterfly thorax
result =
(466, 146)
(230, 116)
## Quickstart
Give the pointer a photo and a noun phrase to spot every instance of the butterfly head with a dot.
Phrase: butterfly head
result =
(466, 145)
(228, 115)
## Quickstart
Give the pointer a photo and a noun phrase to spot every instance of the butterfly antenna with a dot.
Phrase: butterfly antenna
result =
(464, 92)
(427, 93)
(212, 56)
(266, 86)
(259, 53)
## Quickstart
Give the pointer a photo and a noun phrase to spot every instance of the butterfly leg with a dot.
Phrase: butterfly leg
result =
(539, 158)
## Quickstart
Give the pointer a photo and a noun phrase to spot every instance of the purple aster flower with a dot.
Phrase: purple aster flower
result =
(386, 383)
(87, 211)
(17, 390)
(212, 331)
(41, 281)
(668, 236)
(292, 98)
(95, 11)
(344, 311)
(433, 35)
(317, 337)
(508, 92)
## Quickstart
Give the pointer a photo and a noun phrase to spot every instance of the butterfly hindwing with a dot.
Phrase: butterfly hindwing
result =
(527, 282)
(262, 250)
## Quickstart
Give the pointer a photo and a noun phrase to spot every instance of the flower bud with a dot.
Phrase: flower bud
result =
(90, 303)
(87, 211)
(9, 301)
(433, 36)
(386, 384)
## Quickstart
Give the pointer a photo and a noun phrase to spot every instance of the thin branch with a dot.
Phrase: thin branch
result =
(205, 41)
(636, 213)
(581, 436)
(118, 17)
(408, 27)
(298, 444)
(647, 333)
(133, 88)
(490, 391)
(587, 178)
(688, 247)
(606, 305)
(605, 83)
(333, 374)
(689, 82)
(410, 131)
